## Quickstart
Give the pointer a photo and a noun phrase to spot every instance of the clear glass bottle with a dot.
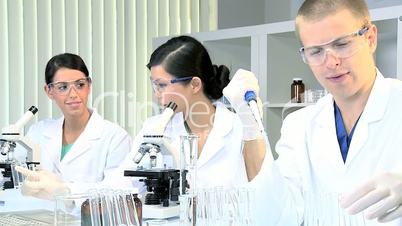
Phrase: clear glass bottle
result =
(297, 91)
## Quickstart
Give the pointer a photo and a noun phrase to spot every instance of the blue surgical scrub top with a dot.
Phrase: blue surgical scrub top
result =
(343, 138)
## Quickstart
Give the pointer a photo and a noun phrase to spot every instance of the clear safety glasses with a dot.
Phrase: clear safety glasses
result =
(62, 88)
(343, 47)
(160, 85)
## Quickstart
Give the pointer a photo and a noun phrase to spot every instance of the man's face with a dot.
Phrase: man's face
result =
(346, 74)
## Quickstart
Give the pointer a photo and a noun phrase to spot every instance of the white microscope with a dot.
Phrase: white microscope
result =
(162, 183)
(10, 136)
(155, 143)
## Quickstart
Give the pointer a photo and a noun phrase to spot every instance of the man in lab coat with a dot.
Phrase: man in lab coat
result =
(348, 143)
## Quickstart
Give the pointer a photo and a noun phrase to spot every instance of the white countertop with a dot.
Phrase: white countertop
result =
(15, 201)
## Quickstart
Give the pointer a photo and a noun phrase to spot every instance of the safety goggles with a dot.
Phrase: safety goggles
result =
(160, 85)
(62, 88)
(343, 47)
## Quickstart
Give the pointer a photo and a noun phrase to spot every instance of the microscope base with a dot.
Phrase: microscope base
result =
(160, 212)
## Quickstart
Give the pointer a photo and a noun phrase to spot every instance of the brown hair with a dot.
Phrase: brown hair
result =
(313, 10)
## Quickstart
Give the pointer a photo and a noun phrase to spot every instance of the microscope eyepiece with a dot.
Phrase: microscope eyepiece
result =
(26, 118)
(172, 105)
(33, 109)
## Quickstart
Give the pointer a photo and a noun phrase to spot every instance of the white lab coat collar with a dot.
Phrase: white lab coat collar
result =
(223, 124)
(378, 99)
(373, 111)
(93, 131)
(53, 135)
(375, 106)
(324, 124)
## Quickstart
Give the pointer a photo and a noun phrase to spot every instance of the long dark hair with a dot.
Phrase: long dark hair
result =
(184, 56)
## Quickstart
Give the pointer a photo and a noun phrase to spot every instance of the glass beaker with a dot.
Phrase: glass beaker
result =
(67, 210)
(18, 178)
(188, 173)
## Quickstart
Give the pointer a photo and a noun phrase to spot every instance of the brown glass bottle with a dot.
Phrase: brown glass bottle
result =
(132, 200)
(297, 91)
(85, 214)
(137, 205)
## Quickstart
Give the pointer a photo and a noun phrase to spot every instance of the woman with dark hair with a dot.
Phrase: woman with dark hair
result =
(80, 147)
(182, 72)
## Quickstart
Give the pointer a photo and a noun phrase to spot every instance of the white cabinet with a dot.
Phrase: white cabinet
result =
(222, 52)
(271, 52)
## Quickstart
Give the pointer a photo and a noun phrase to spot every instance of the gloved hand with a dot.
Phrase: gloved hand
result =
(42, 184)
(242, 82)
(380, 197)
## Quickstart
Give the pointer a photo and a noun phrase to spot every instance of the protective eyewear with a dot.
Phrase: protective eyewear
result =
(160, 85)
(62, 88)
(343, 47)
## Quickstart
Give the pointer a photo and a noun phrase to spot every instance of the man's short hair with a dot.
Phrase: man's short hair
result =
(314, 10)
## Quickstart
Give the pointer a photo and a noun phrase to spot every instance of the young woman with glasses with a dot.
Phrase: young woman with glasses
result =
(80, 147)
(182, 72)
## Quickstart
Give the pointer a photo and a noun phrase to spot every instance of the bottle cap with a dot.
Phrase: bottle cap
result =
(297, 79)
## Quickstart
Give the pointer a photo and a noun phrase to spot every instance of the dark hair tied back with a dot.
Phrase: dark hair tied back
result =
(184, 56)
(220, 80)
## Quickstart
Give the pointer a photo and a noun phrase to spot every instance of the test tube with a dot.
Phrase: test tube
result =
(323, 209)
(188, 163)
(188, 173)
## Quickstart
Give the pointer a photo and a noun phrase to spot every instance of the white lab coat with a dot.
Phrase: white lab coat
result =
(221, 161)
(100, 148)
(310, 157)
